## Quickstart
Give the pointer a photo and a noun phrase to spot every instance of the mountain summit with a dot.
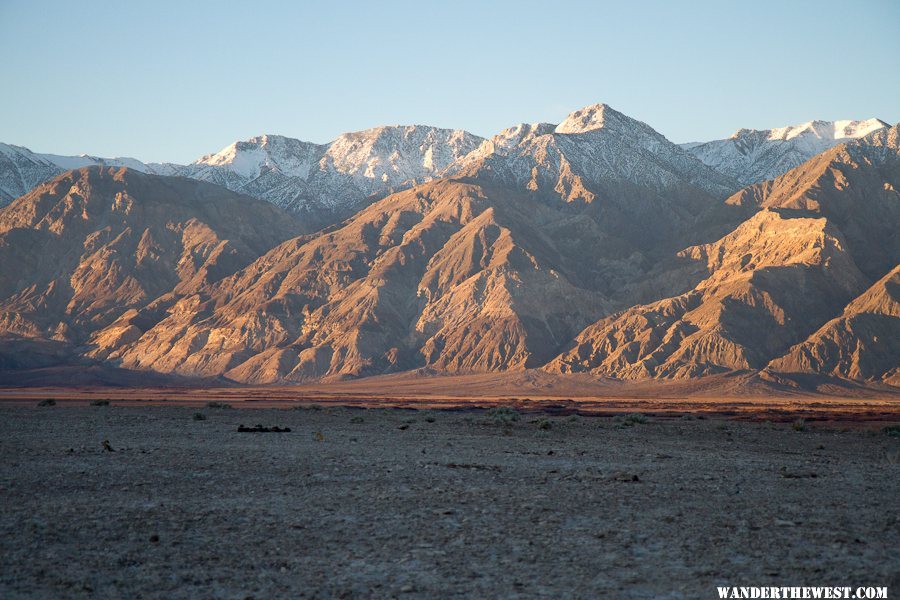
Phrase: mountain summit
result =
(605, 119)
(597, 116)
(593, 147)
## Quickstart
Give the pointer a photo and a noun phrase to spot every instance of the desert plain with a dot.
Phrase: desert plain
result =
(155, 493)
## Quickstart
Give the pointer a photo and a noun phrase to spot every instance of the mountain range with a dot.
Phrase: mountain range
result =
(592, 246)
(325, 183)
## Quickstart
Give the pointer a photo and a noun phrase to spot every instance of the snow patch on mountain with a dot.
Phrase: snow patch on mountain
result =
(754, 155)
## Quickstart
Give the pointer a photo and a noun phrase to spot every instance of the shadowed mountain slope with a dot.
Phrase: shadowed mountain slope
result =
(862, 343)
(82, 249)
(768, 284)
(450, 275)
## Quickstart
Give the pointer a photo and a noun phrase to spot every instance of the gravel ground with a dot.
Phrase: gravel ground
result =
(398, 503)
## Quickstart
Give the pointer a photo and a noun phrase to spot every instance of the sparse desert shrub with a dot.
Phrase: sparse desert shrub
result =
(198, 416)
(307, 407)
(502, 416)
(545, 424)
(357, 420)
(99, 402)
(799, 425)
(891, 430)
(631, 419)
(637, 418)
(215, 404)
(47, 402)
(430, 419)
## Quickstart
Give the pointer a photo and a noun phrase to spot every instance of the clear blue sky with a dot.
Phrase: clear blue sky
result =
(162, 80)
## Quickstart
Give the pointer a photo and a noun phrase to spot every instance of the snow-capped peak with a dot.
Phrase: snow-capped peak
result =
(338, 175)
(587, 119)
(753, 155)
(247, 159)
(602, 117)
(823, 130)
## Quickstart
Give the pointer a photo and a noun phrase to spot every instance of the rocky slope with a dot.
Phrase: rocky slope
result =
(450, 275)
(754, 155)
(863, 343)
(98, 243)
(764, 287)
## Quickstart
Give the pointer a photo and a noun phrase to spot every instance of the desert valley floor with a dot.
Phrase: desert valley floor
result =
(141, 498)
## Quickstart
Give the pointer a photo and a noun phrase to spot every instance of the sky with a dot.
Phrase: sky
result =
(171, 81)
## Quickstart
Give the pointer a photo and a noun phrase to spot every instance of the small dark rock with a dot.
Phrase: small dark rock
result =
(261, 429)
